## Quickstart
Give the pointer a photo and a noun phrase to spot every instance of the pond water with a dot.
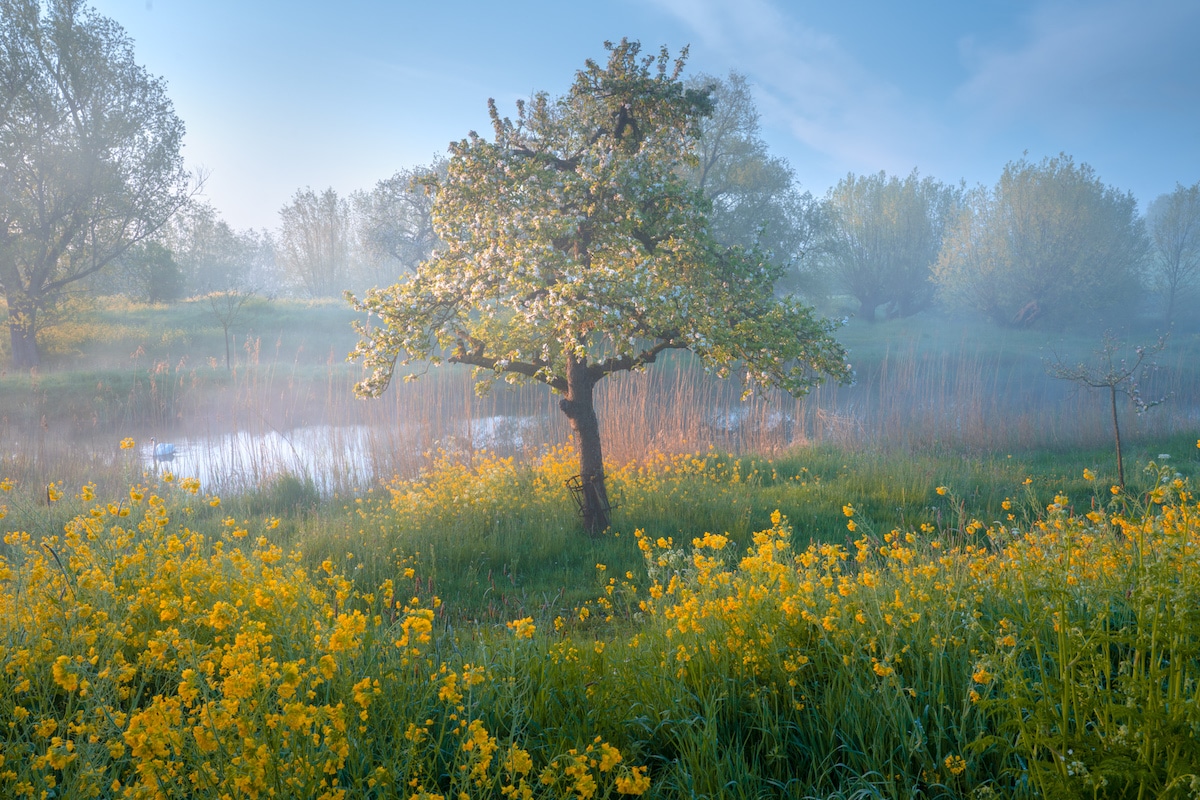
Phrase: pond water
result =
(334, 457)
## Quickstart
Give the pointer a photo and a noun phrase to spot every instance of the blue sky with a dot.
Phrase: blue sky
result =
(277, 96)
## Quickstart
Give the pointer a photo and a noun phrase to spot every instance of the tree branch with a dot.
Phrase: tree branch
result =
(560, 164)
(648, 356)
(534, 369)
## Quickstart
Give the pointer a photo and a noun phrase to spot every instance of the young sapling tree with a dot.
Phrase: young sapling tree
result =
(227, 306)
(1119, 375)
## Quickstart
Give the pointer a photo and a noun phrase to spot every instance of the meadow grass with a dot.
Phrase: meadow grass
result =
(166, 643)
(920, 586)
(500, 536)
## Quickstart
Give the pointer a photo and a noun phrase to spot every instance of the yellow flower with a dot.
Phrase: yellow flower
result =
(523, 628)
(609, 757)
(128, 443)
(982, 676)
(956, 764)
(636, 782)
(62, 676)
(1088, 475)
(289, 679)
(518, 761)
(883, 669)
(848, 510)
(711, 540)
(364, 690)
(204, 738)
(942, 490)
(327, 665)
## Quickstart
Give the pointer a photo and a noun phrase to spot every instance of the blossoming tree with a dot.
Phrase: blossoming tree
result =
(574, 248)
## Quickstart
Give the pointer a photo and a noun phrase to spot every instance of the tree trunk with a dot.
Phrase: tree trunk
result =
(580, 408)
(22, 328)
(1117, 435)
(867, 306)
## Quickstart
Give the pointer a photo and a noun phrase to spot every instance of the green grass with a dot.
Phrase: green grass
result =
(502, 539)
(930, 661)
(114, 331)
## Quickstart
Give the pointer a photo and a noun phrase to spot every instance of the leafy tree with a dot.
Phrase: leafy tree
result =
(1049, 242)
(887, 233)
(215, 257)
(394, 224)
(755, 198)
(147, 271)
(89, 155)
(1174, 222)
(315, 242)
(575, 247)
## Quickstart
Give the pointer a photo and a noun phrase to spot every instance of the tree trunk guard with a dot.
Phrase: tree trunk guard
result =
(591, 499)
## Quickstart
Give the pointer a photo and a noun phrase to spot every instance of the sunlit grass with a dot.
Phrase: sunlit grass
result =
(166, 642)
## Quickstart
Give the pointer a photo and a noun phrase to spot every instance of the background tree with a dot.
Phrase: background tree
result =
(215, 257)
(886, 235)
(1118, 371)
(315, 242)
(575, 247)
(89, 155)
(147, 272)
(229, 306)
(394, 225)
(756, 202)
(1174, 223)
(1049, 242)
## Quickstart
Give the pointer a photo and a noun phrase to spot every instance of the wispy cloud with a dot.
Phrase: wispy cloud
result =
(807, 82)
(1080, 63)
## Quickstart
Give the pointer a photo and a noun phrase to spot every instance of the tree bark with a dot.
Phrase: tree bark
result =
(22, 329)
(1112, 389)
(580, 408)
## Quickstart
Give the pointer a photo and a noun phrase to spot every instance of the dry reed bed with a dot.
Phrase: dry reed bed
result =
(243, 426)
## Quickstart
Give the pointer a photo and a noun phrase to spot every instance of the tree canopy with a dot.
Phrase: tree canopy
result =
(574, 246)
(1051, 241)
(215, 257)
(887, 232)
(89, 155)
(394, 223)
(1174, 222)
(756, 202)
(315, 242)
